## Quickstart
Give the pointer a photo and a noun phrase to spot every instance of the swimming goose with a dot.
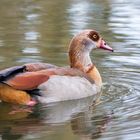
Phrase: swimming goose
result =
(50, 83)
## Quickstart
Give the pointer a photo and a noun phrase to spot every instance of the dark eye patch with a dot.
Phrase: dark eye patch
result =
(93, 35)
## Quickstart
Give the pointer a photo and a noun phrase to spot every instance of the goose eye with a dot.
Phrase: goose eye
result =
(94, 36)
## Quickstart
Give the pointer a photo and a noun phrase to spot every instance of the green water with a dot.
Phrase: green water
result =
(40, 31)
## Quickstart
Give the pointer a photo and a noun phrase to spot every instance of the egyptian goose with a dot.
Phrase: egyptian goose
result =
(49, 83)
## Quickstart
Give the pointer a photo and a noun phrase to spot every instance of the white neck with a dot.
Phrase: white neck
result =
(86, 61)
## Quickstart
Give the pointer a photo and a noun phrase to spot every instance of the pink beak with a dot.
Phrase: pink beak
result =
(105, 46)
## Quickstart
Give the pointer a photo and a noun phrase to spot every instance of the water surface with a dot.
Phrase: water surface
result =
(39, 31)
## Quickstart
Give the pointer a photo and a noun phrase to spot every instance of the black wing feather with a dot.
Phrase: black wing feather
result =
(8, 73)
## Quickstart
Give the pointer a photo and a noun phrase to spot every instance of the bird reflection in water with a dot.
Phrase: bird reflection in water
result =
(46, 119)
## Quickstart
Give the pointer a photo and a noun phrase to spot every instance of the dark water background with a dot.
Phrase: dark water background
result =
(39, 31)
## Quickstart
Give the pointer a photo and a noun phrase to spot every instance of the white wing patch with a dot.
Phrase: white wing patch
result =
(60, 88)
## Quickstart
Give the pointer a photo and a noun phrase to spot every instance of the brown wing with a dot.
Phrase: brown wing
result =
(30, 67)
(29, 80)
(27, 76)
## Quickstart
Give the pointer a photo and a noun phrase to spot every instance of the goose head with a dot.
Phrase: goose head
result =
(80, 47)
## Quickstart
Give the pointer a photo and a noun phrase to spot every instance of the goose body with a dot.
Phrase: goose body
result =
(50, 83)
(60, 88)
